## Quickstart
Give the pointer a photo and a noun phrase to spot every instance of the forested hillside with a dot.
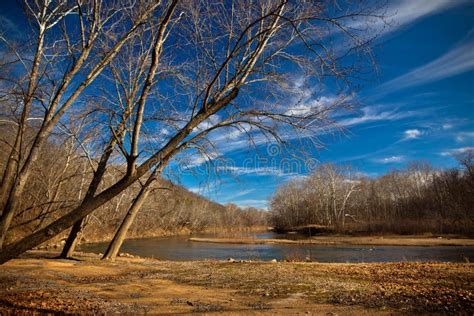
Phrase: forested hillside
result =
(60, 181)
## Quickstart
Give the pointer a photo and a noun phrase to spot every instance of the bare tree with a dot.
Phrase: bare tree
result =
(236, 63)
(133, 88)
(79, 55)
(322, 198)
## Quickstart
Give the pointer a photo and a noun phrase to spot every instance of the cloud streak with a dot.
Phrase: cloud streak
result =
(401, 13)
(456, 151)
(464, 136)
(457, 61)
(261, 171)
(378, 113)
(408, 11)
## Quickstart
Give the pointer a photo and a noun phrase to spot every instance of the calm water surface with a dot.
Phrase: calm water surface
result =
(179, 248)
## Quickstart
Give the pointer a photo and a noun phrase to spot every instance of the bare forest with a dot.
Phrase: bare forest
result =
(414, 200)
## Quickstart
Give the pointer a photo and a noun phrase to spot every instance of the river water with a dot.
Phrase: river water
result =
(181, 249)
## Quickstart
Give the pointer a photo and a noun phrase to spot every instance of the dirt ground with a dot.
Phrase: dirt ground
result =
(37, 283)
(351, 240)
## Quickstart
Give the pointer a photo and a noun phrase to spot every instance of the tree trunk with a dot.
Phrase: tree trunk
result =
(8, 177)
(121, 233)
(7, 188)
(72, 240)
(10, 207)
(5, 221)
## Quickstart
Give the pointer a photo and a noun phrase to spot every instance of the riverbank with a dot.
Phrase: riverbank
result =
(37, 283)
(395, 240)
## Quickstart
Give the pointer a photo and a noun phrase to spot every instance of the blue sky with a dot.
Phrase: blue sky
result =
(419, 107)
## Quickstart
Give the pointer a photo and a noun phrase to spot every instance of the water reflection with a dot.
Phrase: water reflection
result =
(179, 248)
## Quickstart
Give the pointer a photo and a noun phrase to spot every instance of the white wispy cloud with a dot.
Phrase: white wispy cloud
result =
(377, 113)
(391, 159)
(262, 171)
(401, 13)
(456, 151)
(456, 61)
(311, 105)
(412, 133)
(464, 136)
(243, 192)
(404, 12)
(369, 114)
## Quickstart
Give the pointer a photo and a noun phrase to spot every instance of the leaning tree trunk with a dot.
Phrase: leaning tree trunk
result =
(73, 239)
(5, 221)
(121, 233)
(65, 253)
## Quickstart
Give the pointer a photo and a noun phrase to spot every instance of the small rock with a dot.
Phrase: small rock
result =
(231, 260)
(273, 260)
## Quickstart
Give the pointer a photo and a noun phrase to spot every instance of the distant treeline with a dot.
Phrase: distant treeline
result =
(416, 199)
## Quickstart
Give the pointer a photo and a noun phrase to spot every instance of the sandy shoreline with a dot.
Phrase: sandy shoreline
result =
(38, 283)
(349, 240)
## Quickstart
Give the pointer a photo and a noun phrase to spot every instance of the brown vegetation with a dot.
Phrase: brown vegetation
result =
(59, 182)
(169, 210)
(414, 200)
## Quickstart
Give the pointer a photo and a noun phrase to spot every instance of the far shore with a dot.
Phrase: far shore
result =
(394, 240)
